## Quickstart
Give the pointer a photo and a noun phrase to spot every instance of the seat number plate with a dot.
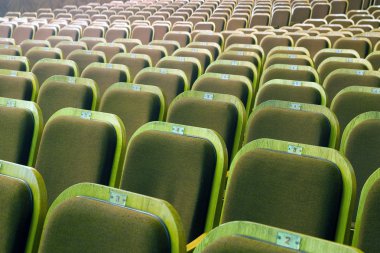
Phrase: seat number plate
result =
(288, 240)
(117, 198)
(297, 150)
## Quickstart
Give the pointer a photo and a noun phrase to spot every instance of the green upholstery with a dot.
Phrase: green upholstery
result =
(89, 218)
(134, 62)
(18, 85)
(313, 186)
(186, 167)
(83, 58)
(80, 146)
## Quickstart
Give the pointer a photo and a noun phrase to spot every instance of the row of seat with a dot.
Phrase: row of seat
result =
(77, 147)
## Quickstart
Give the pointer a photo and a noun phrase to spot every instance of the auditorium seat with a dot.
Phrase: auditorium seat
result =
(170, 45)
(69, 46)
(359, 44)
(23, 198)
(266, 172)
(271, 41)
(23, 32)
(222, 113)
(289, 72)
(212, 47)
(250, 48)
(202, 55)
(45, 68)
(288, 50)
(245, 236)
(80, 146)
(360, 144)
(240, 39)
(290, 59)
(323, 54)
(314, 44)
(154, 52)
(83, 58)
(26, 45)
(374, 59)
(54, 40)
(367, 225)
(110, 49)
(18, 63)
(174, 151)
(18, 85)
(288, 90)
(171, 81)
(59, 92)
(21, 127)
(38, 53)
(290, 121)
(134, 62)
(92, 41)
(128, 43)
(108, 213)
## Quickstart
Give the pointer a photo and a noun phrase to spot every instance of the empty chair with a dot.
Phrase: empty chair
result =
(69, 46)
(172, 82)
(354, 100)
(290, 72)
(45, 32)
(374, 59)
(6, 30)
(135, 104)
(323, 54)
(212, 47)
(300, 14)
(283, 120)
(128, 43)
(71, 31)
(23, 32)
(288, 90)
(106, 74)
(148, 228)
(314, 44)
(183, 38)
(288, 50)
(260, 172)
(359, 44)
(271, 41)
(189, 65)
(18, 63)
(80, 146)
(290, 59)
(232, 67)
(248, 56)
(23, 198)
(110, 49)
(203, 55)
(59, 92)
(20, 127)
(222, 113)
(341, 78)
(236, 23)
(245, 236)
(367, 225)
(259, 19)
(144, 33)
(134, 62)
(114, 33)
(280, 17)
(154, 52)
(18, 85)
(320, 10)
(54, 40)
(94, 31)
(333, 63)
(83, 58)
(250, 48)
(360, 143)
(45, 68)
(170, 45)
(239, 86)
(174, 151)
(240, 39)
(38, 53)
(26, 45)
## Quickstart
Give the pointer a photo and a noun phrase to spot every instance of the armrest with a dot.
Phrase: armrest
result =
(192, 245)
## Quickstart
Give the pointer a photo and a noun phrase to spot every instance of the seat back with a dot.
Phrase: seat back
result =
(18, 63)
(110, 213)
(360, 142)
(174, 151)
(83, 58)
(260, 171)
(222, 113)
(110, 49)
(20, 128)
(323, 54)
(289, 72)
(23, 198)
(38, 53)
(45, 68)
(294, 118)
(80, 146)
(18, 85)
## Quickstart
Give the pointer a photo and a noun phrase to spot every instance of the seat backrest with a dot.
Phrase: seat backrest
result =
(23, 198)
(174, 151)
(342, 78)
(289, 72)
(155, 52)
(23, 32)
(366, 225)
(59, 92)
(290, 59)
(239, 86)
(314, 44)
(148, 228)
(110, 49)
(106, 74)
(191, 66)
(135, 104)
(287, 121)
(360, 44)
(374, 59)
(80, 146)
(20, 130)
(222, 113)
(18, 63)
(203, 55)
(245, 236)
(172, 82)
(18, 85)
(288, 90)
(261, 170)
(69, 46)
(360, 143)
(83, 58)
(26, 45)
(323, 54)
(134, 62)
(45, 68)
(144, 33)
(334, 63)
(37, 53)
(271, 41)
